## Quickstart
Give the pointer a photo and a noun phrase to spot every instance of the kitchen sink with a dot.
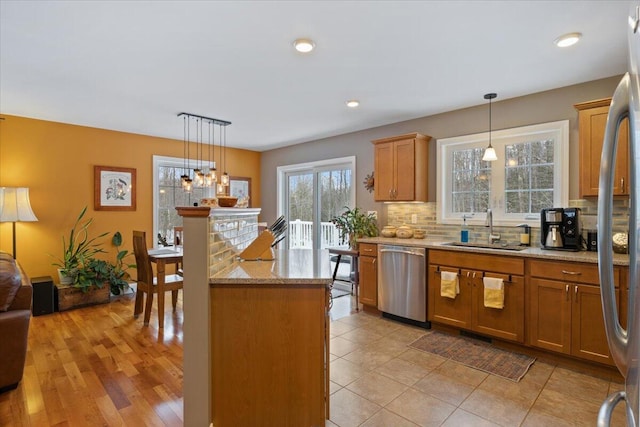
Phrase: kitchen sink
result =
(498, 246)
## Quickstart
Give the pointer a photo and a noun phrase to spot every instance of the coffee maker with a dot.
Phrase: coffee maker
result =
(560, 229)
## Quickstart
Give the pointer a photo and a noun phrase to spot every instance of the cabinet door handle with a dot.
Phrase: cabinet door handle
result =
(391, 193)
(572, 273)
(622, 184)
(374, 261)
(575, 292)
(566, 292)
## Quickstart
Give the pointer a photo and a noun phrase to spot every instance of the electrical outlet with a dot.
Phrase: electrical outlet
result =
(374, 213)
(414, 218)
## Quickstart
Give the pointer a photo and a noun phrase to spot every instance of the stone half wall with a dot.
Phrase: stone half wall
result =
(230, 234)
(400, 213)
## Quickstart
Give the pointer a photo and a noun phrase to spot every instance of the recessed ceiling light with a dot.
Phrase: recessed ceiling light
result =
(304, 45)
(567, 39)
(353, 103)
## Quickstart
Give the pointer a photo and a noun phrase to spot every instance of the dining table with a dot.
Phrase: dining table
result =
(162, 257)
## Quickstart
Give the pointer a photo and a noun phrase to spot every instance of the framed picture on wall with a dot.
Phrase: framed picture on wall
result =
(239, 187)
(114, 188)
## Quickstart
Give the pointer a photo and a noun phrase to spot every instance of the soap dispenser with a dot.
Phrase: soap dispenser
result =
(525, 236)
(464, 230)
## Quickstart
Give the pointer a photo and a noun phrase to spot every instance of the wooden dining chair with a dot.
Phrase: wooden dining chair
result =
(178, 240)
(147, 282)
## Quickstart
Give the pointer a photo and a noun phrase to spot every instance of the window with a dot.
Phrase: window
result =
(531, 173)
(168, 193)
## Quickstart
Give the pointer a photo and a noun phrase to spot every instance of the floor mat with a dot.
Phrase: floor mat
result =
(475, 354)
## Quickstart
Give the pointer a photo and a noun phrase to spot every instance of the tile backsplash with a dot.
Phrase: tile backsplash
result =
(401, 213)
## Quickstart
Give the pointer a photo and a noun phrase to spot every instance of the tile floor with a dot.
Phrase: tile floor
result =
(377, 380)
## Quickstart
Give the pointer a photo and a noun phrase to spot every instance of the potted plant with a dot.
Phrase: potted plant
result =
(77, 251)
(353, 224)
(119, 274)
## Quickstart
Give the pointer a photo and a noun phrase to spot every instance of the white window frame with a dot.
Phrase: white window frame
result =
(558, 131)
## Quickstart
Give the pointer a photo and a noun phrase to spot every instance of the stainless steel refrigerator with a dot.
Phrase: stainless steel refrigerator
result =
(624, 344)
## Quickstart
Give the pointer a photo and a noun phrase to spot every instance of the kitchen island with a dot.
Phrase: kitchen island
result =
(256, 333)
(269, 339)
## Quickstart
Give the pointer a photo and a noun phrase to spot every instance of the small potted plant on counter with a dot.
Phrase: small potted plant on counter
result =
(353, 224)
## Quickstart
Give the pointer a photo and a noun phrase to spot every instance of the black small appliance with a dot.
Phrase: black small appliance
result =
(560, 229)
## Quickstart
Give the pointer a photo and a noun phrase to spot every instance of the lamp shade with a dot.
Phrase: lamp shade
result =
(489, 155)
(15, 205)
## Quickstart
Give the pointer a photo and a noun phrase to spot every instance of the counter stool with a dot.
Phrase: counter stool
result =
(353, 276)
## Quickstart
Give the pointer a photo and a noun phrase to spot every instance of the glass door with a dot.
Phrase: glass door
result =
(313, 195)
(300, 212)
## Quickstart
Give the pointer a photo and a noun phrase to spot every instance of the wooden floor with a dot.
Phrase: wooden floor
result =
(98, 366)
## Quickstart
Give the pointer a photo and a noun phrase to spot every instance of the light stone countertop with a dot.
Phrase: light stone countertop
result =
(531, 252)
(290, 267)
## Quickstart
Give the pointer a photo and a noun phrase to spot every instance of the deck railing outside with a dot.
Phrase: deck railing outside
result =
(301, 234)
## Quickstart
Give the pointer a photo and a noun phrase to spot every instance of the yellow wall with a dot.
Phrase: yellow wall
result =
(56, 160)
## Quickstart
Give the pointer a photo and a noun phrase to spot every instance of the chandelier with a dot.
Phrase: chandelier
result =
(203, 173)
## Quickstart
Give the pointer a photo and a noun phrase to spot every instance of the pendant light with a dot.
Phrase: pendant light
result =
(225, 175)
(490, 152)
(204, 173)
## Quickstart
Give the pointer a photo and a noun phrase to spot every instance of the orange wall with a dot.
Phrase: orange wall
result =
(56, 160)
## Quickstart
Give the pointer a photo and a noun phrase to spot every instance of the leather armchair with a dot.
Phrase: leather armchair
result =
(15, 314)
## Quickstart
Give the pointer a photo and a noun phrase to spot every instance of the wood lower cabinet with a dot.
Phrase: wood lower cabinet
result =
(565, 310)
(269, 354)
(401, 167)
(592, 118)
(368, 268)
(467, 310)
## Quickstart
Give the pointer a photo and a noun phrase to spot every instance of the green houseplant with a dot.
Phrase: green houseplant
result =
(77, 251)
(354, 223)
(119, 274)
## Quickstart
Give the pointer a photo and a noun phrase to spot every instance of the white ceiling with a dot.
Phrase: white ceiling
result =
(133, 66)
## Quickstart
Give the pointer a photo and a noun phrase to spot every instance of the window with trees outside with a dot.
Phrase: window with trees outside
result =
(531, 173)
(168, 193)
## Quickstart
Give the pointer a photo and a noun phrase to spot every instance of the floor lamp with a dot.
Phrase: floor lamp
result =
(15, 207)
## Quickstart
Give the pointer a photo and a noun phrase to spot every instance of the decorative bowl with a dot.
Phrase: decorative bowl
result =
(388, 231)
(227, 201)
(404, 232)
(419, 234)
(621, 243)
(211, 202)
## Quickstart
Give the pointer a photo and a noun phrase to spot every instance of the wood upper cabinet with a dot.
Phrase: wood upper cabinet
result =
(592, 118)
(400, 168)
(368, 280)
(565, 310)
(467, 310)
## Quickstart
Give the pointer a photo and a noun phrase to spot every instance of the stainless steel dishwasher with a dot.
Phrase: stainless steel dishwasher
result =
(402, 282)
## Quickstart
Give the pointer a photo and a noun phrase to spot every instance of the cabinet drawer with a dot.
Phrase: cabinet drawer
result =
(569, 272)
(495, 263)
(368, 249)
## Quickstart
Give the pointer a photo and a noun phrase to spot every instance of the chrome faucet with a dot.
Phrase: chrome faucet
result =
(489, 223)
